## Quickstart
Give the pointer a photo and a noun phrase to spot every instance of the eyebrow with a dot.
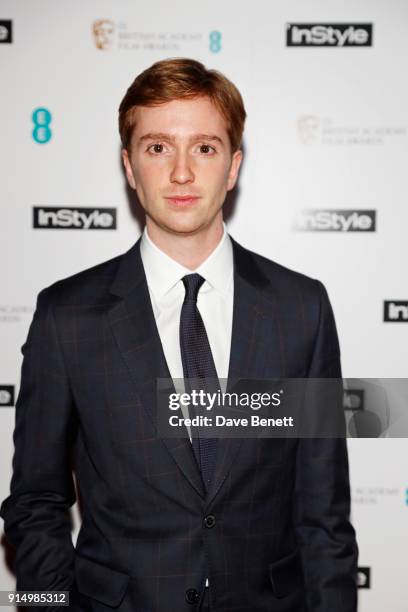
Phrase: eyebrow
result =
(170, 138)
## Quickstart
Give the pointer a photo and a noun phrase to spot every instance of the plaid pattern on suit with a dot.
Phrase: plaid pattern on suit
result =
(281, 542)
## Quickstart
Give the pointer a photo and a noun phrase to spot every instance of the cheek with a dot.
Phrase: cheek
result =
(214, 177)
(149, 177)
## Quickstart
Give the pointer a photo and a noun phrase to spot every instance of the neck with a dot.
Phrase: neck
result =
(189, 250)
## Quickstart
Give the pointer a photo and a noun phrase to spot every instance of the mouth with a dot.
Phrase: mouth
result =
(182, 201)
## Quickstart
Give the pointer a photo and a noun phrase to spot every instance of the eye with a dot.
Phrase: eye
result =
(207, 149)
(156, 148)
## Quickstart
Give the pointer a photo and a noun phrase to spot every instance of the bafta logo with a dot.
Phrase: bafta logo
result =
(308, 129)
(102, 30)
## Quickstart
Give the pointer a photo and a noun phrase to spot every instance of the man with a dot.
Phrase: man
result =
(169, 525)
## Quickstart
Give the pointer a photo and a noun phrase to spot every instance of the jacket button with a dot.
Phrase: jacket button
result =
(192, 596)
(209, 521)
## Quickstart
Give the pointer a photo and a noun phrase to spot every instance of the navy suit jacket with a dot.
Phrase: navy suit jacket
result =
(281, 540)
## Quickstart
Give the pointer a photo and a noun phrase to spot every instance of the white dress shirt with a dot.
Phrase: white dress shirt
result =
(214, 301)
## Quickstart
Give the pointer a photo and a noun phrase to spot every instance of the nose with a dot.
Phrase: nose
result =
(181, 171)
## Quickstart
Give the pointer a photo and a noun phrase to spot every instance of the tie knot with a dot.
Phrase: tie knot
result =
(192, 284)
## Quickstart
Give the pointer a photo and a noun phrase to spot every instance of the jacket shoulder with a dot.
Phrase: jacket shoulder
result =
(285, 280)
(89, 286)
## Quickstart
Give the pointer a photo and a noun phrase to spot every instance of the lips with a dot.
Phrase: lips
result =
(182, 200)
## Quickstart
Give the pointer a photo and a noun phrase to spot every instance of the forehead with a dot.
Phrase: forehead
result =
(180, 117)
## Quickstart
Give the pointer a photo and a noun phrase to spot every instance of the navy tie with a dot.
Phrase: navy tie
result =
(198, 363)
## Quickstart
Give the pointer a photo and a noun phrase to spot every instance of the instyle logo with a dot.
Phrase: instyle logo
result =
(353, 399)
(396, 311)
(6, 395)
(329, 34)
(6, 31)
(102, 31)
(74, 218)
(364, 577)
(340, 220)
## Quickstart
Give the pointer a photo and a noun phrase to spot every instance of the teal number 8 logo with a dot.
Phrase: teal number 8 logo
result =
(41, 118)
(215, 41)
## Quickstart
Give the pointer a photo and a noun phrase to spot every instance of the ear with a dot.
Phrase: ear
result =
(128, 168)
(234, 169)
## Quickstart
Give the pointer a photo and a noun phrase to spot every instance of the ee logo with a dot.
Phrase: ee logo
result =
(215, 41)
(41, 132)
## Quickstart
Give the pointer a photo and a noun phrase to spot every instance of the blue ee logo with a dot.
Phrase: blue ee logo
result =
(41, 132)
(215, 41)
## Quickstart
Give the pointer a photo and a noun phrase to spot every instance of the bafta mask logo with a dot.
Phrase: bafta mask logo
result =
(308, 129)
(6, 395)
(6, 31)
(102, 30)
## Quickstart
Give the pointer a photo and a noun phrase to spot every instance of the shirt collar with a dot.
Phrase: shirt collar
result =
(163, 272)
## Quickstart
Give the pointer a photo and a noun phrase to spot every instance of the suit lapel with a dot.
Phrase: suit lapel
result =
(134, 327)
(246, 348)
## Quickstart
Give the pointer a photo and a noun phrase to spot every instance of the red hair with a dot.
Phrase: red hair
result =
(182, 78)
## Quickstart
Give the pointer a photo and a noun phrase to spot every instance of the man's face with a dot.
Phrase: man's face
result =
(180, 164)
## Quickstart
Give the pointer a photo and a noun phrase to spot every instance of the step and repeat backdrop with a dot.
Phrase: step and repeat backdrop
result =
(323, 187)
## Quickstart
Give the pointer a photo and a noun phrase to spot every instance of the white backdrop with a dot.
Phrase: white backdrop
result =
(327, 130)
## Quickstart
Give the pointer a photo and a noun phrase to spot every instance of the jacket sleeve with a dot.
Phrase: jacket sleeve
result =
(322, 494)
(36, 513)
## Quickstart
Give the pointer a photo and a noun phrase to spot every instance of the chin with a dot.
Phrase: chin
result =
(182, 223)
(184, 227)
